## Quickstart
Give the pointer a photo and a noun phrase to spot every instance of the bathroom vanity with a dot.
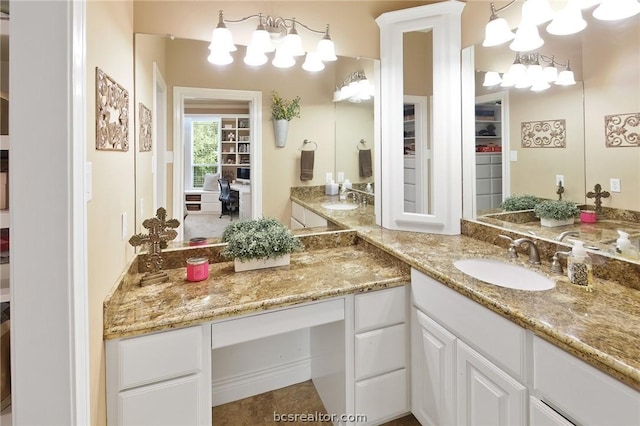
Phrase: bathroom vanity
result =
(512, 357)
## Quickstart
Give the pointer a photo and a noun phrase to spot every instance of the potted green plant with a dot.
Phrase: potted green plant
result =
(282, 111)
(259, 243)
(519, 202)
(556, 212)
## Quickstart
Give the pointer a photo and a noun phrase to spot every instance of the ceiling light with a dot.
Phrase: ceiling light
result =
(497, 31)
(537, 11)
(355, 88)
(612, 10)
(492, 78)
(271, 34)
(528, 72)
(527, 38)
(568, 20)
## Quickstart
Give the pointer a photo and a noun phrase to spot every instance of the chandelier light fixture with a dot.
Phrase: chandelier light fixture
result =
(527, 72)
(354, 88)
(567, 20)
(272, 34)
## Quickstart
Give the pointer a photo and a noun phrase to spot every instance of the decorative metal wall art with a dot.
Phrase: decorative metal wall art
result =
(144, 135)
(622, 130)
(112, 114)
(544, 134)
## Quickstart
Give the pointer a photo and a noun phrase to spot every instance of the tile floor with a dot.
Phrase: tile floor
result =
(299, 398)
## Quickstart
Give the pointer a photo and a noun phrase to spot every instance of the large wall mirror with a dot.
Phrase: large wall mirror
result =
(590, 148)
(163, 63)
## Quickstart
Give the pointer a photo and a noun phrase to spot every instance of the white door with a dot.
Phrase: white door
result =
(486, 394)
(433, 352)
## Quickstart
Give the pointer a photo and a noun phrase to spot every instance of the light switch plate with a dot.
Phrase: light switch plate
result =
(340, 177)
(514, 155)
(614, 185)
(560, 180)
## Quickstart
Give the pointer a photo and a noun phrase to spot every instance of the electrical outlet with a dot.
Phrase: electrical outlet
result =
(560, 180)
(340, 177)
(614, 185)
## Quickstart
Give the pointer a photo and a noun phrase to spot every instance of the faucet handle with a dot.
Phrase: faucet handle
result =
(511, 252)
(556, 266)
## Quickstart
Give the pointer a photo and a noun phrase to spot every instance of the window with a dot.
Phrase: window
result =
(205, 149)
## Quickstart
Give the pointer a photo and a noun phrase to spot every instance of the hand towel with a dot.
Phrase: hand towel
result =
(306, 165)
(364, 157)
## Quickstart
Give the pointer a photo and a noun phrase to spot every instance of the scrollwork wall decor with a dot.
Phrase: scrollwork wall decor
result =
(112, 114)
(144, 135)
(544, 134)
(622, 130)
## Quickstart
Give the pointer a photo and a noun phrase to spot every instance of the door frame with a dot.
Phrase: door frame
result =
(159, 166)
(254, 98)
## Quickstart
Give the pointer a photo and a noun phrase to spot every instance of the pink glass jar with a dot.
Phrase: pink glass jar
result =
(588, 216)
(197, 268)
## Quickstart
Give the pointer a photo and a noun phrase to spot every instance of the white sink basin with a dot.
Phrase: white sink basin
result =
(504, 274)
(340, 206)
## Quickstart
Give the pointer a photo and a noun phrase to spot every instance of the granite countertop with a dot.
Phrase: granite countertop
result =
(313, 274)
(600, 327)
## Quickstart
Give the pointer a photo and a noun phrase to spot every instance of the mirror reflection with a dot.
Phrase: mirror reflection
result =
(574, 150)
(217, 136)
(416, 147)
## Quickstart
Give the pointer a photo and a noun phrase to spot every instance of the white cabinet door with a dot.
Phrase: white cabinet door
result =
(433, 354)
(174, 402)
(540, 414)
(486, 394)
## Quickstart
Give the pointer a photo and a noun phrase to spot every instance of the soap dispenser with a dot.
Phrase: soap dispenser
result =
(624, 246)
(579, 266)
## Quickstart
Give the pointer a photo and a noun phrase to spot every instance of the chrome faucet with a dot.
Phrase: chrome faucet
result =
(534, 256)
(565, 234)
(354, 196)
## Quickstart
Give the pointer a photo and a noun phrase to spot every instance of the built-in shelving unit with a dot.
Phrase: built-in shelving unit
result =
(488, 130)
(235, 146)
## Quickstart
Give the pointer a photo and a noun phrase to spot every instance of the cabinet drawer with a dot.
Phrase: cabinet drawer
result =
(382, 397)
(494, 336)
(193, 207)
(210, 197)
(380, 308)
(380, 351)
(409, 163)
(211, 207)
(586, 395)
(540, 414)
(192, 197)
(297, 212)
(159, 356)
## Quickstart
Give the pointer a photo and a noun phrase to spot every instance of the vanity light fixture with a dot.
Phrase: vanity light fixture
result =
(527, 72)
(567, 20)
(354, 88)
(272, 34)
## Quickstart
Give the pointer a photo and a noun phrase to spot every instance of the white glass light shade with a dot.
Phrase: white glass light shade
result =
(219, 57)
(568, 20)
(550, 73)
(312, 63)
(517, 69)
(612, 10)
(491, 78)
(566, 78)
(261, 41)
(283, 60)
(524, 81)
(537, 11)
(337, 96)
(534, 72)
(326, 50)
(497, 32)
(222, 39)
(508, 80)
(255, 57)
(293, 44)
(527, 38)
(585, 4)
(540, 84)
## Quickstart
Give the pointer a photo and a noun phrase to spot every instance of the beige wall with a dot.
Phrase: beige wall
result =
(109, 47)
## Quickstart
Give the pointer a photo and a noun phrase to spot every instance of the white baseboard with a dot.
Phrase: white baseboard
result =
(234, 388)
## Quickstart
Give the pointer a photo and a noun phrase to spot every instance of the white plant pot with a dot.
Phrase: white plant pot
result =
(552, 223)
(252, 264)
(280, 128)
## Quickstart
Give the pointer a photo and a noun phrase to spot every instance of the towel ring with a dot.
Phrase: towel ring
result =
(363, 143)
(306, 141)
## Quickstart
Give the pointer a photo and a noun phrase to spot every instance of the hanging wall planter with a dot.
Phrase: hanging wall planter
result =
(280, 128)
(282, 111)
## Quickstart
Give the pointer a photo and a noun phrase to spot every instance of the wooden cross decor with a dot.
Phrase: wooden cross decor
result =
(160, 232)
(598, 194)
